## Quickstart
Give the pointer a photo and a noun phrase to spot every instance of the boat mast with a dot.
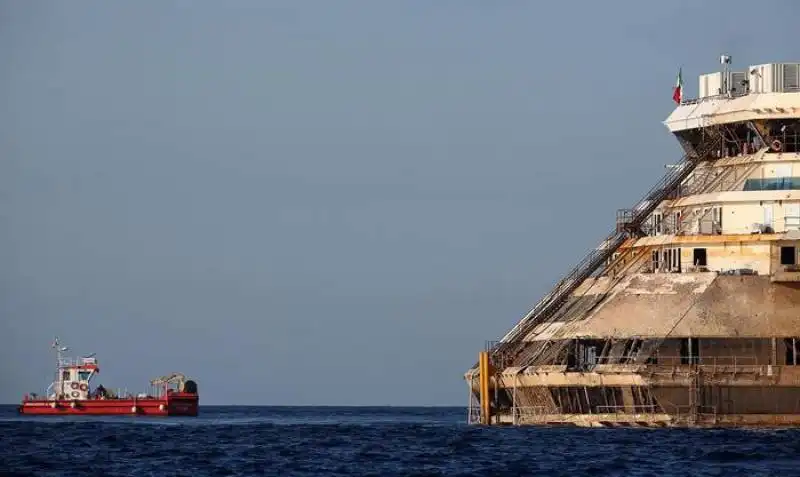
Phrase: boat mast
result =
(59, 349)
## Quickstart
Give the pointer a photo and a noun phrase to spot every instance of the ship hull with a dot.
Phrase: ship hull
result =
(654, 420)
(172, 406)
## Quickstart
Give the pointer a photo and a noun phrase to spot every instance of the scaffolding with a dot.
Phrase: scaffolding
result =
(629, 225)
(552, 349)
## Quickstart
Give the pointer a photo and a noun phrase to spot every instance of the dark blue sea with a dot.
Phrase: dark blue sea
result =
(275, 441)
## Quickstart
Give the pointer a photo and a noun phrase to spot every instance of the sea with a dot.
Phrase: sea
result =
(374, 441)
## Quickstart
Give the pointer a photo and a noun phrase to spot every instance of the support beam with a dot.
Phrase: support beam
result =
(485, 396)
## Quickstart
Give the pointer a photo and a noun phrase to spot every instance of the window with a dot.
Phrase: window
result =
(590, 357)
(792, 350)
(716, 218)
(65, 375)
(83, 375)
(791, 216)
(674, 259)
(690, 351)
(788, 256)
(776, 183)
(699, 257)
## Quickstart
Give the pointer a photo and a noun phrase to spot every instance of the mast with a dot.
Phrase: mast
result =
(59, 350)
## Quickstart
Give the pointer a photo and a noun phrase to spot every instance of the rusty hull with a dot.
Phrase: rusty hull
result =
(741, 380)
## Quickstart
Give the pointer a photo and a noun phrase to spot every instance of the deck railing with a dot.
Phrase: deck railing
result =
(682, 360)
(65, 362)
(628, 409)
(717, 97)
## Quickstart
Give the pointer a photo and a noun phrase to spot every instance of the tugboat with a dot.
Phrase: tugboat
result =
(70, 393)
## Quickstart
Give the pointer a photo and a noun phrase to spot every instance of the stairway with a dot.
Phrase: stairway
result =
(629, 224)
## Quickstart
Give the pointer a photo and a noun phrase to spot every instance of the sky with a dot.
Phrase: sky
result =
(324, 203)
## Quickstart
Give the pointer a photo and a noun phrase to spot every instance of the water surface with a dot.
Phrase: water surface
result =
(320, 441)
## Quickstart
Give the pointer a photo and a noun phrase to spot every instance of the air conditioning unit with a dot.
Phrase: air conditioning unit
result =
(774, 78)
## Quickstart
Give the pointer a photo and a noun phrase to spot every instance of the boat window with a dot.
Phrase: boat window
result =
(690, 351)
(83, 375)
(788, 256)
(773, 183)
(792, 350)
(655, 260)
(699, 257)
(65, 375)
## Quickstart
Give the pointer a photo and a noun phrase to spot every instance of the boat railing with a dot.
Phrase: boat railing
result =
(713, 361)
(683, 412)
(528, 414)
(67, 362)
(717, 97)
(628, 409)
(679, 360)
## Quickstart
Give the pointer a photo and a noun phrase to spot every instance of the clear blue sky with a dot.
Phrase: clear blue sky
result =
(322, 202)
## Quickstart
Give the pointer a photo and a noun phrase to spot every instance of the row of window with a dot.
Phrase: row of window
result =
(772, 183)
(670, 259)
(690, 351)
(82, 375)
(588, 353)
(708, 221)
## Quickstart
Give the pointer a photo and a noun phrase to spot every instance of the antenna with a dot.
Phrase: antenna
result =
(59, 349)
(725, 61)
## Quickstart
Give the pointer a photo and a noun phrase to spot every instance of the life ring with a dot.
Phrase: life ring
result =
(75, 385)
(75, 394)
(776, 145)
(84, 387)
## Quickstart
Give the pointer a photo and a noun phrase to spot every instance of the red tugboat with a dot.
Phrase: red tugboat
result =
(71, 394)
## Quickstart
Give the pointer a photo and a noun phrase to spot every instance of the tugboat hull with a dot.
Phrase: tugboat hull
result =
(175, 405)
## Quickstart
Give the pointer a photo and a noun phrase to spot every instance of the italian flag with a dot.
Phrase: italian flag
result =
(677, 93)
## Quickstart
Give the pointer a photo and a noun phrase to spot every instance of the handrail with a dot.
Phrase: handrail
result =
(528, 413)
(683, 360)
(529, 410)
(681, 410)
(628, 409)
(599, 255)
(691, 101)
(81, 361)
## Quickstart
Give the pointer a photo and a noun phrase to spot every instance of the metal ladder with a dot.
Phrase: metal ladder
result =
(628, 224)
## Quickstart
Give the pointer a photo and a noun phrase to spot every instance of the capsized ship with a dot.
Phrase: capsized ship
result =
(688, 312)
(71, 394)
